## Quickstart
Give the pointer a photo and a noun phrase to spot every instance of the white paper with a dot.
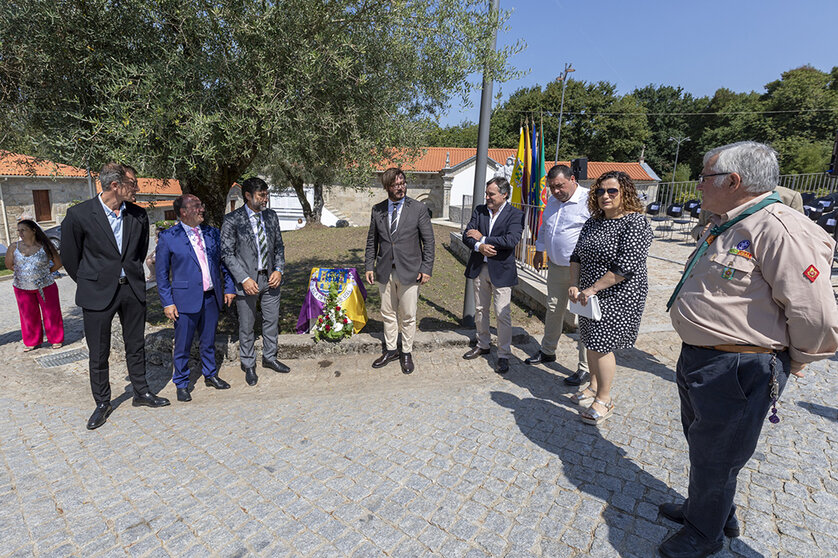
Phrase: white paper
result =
(590, 310)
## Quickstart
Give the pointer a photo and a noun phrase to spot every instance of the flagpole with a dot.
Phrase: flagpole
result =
(481, 160)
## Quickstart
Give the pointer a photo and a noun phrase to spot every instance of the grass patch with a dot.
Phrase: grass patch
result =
(3, 270)
(440, 300)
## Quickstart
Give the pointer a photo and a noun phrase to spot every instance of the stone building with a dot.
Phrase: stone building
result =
(442, 176)
(42, 190)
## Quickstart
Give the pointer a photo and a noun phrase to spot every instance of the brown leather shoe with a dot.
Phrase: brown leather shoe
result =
(406, 360)
(475, 352)
(385, 359)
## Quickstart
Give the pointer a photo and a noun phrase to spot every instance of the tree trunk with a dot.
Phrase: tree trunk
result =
(211, 189)
(317, 211)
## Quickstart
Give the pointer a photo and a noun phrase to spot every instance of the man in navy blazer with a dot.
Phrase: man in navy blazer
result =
(190, 282)
(492, 234)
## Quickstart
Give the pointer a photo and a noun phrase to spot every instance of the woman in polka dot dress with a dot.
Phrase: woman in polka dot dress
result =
(610, 262)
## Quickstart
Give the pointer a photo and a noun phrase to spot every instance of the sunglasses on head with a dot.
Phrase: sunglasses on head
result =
(611, 191)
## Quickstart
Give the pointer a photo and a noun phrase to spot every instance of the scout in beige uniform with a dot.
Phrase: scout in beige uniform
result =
(754, 305)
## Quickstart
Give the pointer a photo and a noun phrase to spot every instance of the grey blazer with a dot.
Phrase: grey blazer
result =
(411, 248)
(238, 245)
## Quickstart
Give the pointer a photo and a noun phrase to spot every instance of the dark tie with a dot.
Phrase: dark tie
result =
(393, 219)
(263, 242)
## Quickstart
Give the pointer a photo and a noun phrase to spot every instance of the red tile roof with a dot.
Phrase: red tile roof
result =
(159, 186)
(15, 164)
(433, 160)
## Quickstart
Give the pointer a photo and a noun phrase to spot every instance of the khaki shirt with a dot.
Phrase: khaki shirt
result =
(765, 282)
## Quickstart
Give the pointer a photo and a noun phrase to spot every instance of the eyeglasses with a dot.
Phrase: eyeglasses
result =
(611, 191)
(701, 177)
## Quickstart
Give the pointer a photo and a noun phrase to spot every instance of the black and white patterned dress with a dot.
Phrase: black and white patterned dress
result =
(620, 246)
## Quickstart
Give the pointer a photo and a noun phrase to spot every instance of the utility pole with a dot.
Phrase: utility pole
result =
(479, 189)
(562, 78)
(678, 141)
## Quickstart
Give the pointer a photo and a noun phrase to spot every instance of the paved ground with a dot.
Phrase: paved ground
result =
(337, 459)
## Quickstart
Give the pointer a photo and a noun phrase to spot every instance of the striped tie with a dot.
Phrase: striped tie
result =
(263, 242)
(393, 219)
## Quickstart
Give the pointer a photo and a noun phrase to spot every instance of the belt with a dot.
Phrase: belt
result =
(750, 349)
(123, 281)
(262, 272)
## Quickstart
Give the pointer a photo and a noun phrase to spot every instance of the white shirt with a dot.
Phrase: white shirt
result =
(561, 223)
(193, 240)
(492, 218)
(397, 207)
(115, 221)
(252, 217)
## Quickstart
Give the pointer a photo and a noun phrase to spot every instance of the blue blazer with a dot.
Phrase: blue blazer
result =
(179, 279)
(506, 234)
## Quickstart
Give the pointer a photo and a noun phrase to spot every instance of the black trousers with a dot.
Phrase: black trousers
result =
(97, 332)
(724, 400)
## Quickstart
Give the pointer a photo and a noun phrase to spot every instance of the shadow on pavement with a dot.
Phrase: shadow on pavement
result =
(830, 413)
(596, 466)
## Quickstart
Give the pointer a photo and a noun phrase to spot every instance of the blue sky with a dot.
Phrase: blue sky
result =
(699, 45)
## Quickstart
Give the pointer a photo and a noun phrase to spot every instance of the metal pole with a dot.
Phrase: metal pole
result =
(677, 149)
(479, 189)
(567, 69)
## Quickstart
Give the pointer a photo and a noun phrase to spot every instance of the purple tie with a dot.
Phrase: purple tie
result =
(202, 258)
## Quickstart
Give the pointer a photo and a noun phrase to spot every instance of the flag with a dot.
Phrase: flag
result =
(525, 180)
(534, 191)
(543, 192)
(351, 297)
(518, 169)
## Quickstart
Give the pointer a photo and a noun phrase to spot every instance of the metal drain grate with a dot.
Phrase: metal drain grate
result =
(51, 361)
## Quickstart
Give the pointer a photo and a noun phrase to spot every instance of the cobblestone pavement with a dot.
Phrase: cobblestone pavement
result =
(337, 459)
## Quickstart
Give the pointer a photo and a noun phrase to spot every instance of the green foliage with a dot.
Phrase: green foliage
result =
(797, 114)
(165, 224)
(205, 90)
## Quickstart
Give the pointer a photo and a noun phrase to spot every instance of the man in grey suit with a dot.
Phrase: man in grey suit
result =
(252, 250)
(399, 257)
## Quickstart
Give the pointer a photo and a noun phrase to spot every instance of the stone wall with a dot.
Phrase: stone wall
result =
(356, 203)
(18, 200)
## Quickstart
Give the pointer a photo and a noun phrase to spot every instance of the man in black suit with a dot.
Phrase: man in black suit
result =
(492, 234)
(252, 250)
(400, 257)
(104, 242)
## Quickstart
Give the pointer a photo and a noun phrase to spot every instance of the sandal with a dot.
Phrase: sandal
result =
(57, 345)
(27, 348)
(594, 417)
(582, 398)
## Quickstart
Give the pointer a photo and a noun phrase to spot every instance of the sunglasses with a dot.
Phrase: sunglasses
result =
(611, 191)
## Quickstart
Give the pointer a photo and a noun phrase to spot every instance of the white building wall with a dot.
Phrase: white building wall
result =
(463, 183)
(290, 212)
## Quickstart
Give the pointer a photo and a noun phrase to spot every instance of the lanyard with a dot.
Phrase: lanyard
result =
(714, 233)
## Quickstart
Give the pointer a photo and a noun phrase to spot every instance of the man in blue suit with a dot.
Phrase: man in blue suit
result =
(492, 234)
(192, 298)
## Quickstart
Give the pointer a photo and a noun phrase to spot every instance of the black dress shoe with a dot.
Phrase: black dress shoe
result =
(216, 382)
(476, 352)
(250, 375)
(687, 544)
(275, 365)
(577, 378)
(99, 416)
(148, 399)
(183, 394)
(406, 360)
(386, 358)
(675, 512)
(503, 366)
(540, 357)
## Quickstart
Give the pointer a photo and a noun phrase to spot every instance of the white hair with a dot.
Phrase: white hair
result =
(755, 163)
